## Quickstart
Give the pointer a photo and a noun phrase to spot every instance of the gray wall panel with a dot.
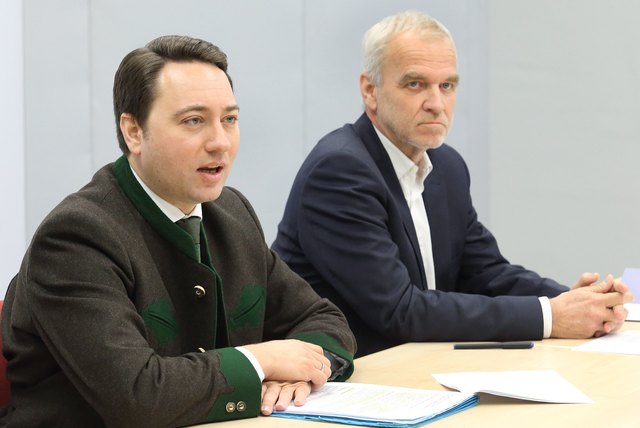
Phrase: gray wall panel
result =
(333, 62)
(12, 165)
(263, 41)
(56, 100)
(295, 66)
(564, 134)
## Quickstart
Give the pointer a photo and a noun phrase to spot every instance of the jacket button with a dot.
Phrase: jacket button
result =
(200, 291)
(241, 406)
(230, 407)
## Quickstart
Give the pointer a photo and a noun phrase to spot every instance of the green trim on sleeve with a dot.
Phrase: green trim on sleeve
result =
(328, 343)
(244, 397)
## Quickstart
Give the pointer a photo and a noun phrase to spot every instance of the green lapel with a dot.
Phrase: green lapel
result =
(150, 211)
(170, 231)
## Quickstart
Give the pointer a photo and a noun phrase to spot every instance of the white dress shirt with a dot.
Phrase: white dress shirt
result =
(411, 177)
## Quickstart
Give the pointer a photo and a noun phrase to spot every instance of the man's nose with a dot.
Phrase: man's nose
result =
(434, 100)
(217, 139)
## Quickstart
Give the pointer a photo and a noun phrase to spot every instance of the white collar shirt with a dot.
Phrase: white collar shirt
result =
(174, 213)
(411, 178)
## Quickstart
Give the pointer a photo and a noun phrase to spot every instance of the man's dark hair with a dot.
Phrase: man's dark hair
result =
(134, 85)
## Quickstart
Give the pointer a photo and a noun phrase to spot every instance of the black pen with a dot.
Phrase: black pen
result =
(494, 345)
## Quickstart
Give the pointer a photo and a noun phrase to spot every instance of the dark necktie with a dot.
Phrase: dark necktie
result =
(192, 226)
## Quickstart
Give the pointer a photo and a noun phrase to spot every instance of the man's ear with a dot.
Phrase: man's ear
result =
(132, 132)
(369, 93)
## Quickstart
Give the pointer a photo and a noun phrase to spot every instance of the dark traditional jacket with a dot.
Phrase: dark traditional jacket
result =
(112, 321)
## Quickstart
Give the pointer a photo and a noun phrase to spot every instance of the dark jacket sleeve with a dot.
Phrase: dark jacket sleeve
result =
(294, 310)
(76, 293)
(102, 325)
(466, 252)
(351, 240)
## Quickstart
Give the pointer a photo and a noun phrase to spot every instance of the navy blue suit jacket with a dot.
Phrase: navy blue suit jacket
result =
(348, 231)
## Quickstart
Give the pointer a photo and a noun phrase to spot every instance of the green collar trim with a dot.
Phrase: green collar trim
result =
(169, 230)
(154, 215)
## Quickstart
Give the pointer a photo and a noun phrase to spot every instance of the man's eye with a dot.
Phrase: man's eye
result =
(230, 120)
(413, 85)
(447, 86)
(193, 121)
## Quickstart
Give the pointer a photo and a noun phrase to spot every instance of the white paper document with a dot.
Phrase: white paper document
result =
(622, 342)
(634, 311)
(631, 277)
(378, 405)
(535, 385)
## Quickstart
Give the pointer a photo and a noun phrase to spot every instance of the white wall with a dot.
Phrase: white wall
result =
(565, 134)
(12, 173)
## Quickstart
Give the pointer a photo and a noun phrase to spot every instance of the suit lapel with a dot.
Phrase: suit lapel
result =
(366, 132)
(173, 234)
(435, 197)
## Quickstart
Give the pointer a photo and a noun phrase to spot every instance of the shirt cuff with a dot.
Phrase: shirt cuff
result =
(547, 320)
(254, 362)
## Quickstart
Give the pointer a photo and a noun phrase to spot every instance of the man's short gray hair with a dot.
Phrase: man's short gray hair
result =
(377, 38)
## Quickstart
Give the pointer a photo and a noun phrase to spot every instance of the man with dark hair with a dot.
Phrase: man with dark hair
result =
(380, 218)
(134, 82)
(149, 297)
